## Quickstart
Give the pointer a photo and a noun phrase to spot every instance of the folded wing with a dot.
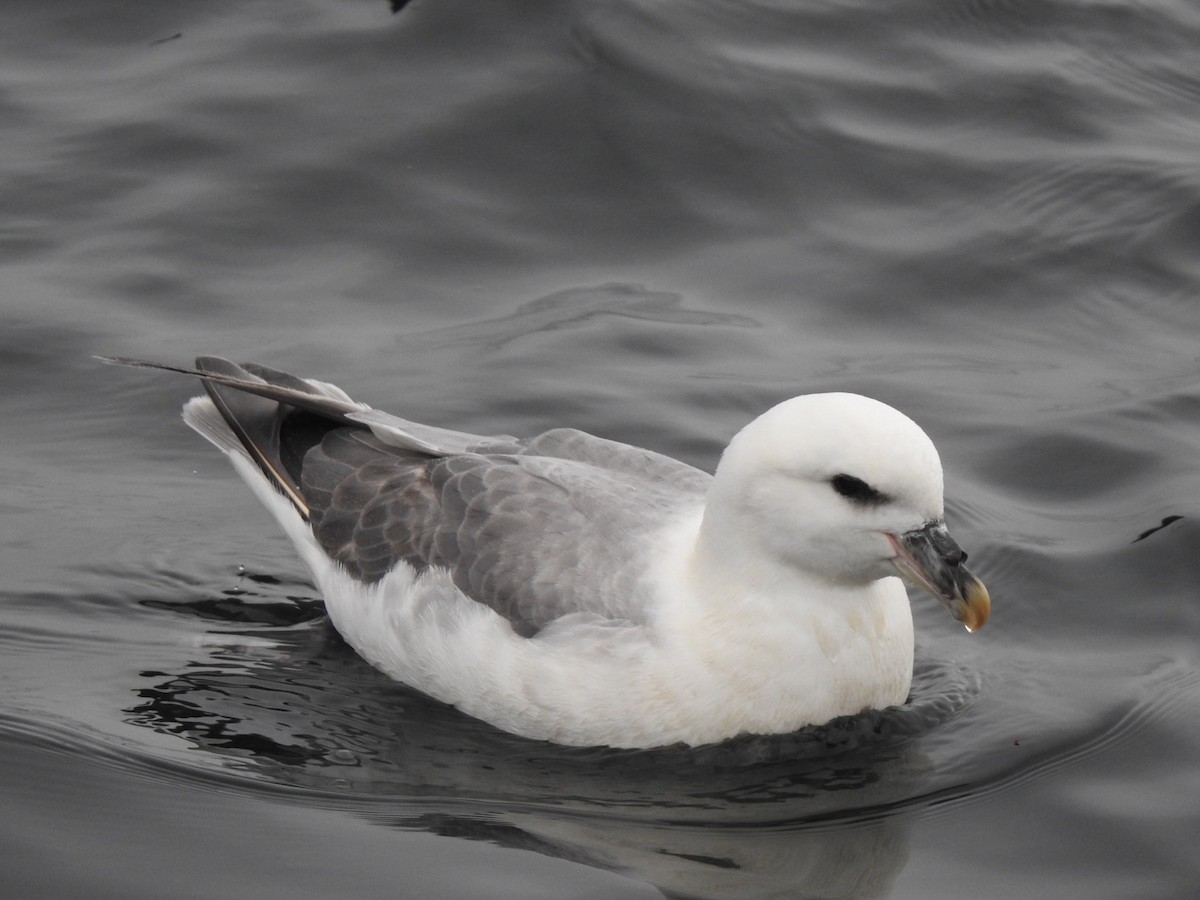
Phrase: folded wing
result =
(553, 526)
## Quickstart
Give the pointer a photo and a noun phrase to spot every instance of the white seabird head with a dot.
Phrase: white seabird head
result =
(847, 489)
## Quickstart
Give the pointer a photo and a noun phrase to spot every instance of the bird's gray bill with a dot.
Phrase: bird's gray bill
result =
(930, 557)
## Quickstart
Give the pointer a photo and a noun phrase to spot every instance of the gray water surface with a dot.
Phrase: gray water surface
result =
(651, 221)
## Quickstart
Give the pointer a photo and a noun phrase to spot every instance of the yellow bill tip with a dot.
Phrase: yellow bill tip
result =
(975, 607)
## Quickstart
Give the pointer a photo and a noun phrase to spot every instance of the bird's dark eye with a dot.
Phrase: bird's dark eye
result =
(855, 489)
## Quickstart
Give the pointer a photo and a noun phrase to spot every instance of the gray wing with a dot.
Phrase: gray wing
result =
(535, 529)
(534, 536)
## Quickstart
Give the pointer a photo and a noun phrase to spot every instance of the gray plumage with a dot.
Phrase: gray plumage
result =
(503, 516)
(506, 526)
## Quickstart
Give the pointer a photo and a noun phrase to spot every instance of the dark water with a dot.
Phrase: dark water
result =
(649, 220)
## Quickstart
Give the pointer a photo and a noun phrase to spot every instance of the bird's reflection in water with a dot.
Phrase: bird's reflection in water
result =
(278, 697)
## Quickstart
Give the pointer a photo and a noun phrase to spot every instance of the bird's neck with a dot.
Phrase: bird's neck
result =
(735, 580)
(789, 646)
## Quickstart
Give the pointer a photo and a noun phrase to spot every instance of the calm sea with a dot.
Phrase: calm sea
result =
(650, 220)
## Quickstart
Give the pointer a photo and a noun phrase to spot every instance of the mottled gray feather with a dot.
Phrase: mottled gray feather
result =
(534, 537)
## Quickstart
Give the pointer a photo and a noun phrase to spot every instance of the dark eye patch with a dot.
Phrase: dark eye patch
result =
(856, 490)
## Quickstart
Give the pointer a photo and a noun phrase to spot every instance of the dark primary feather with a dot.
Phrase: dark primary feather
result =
(215, 370)
(513, 522)
(255, 419)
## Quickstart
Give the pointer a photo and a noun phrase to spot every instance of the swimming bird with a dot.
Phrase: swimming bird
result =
(578, 590)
